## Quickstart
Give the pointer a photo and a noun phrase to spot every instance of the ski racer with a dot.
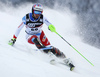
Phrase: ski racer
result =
(35, 35)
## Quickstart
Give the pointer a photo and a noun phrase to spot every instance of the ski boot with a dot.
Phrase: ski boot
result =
(69, 63)
(71, 66)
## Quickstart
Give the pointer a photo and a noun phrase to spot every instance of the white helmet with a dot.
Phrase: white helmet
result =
(37, 9)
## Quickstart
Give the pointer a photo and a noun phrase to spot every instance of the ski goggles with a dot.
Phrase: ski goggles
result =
(37, 12)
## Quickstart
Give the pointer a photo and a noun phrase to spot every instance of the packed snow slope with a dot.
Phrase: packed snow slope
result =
(22, 59)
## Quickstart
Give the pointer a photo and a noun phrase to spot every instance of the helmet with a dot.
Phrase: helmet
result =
(37, 9)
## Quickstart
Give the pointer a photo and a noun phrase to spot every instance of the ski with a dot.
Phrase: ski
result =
(70, 65)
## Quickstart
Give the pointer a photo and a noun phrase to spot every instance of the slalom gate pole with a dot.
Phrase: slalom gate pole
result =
(74, 48)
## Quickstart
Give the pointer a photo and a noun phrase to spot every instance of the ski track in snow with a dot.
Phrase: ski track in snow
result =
(23, 60)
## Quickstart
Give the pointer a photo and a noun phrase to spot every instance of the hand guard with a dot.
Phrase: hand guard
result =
(52, 28)
(12, 41)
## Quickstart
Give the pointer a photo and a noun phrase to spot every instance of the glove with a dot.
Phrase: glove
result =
(12, 41)
(52, 28)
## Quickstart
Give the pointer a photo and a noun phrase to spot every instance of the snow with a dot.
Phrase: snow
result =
(23, 60)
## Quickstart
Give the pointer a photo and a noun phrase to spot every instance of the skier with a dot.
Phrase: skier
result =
(35, 35)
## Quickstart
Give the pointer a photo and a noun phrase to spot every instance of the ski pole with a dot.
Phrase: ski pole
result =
(74, 48)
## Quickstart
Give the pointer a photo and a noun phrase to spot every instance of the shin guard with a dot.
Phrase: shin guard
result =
(57, 52)
(38, 44)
